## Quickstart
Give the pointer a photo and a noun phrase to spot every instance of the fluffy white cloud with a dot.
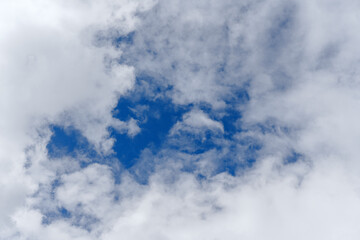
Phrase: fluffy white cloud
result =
(51, 72)
(297, 60)
(196, 121)
(259, 206)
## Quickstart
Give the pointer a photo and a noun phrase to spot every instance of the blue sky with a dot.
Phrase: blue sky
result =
(167, 120)
(156, 117)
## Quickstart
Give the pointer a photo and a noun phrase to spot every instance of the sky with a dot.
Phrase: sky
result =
(169, 119)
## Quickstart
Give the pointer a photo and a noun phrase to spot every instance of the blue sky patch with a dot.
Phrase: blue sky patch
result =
(155, 120)
(67, 141)
(293, 157)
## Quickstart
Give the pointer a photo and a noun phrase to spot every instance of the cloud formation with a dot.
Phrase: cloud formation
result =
(265, 145)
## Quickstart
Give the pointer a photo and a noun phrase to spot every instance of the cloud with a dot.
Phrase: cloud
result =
(131, 127)
(196, 121)
(64, 63)
(52, 73)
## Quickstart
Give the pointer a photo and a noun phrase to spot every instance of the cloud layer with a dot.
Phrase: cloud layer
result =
(263, 99)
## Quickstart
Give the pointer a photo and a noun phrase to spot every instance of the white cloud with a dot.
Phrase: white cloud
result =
(90, 188)
(195, 122)
(299, 61)
(51, 73)
(131, 127)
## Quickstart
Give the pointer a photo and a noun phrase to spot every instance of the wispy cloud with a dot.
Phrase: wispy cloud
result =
(244, 116)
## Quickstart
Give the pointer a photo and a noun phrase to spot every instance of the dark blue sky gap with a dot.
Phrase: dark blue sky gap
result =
(155, 123)
(156, 118)
(293, 157)
(68, 142)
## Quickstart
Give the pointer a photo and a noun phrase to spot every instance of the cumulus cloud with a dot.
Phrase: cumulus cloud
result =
(195, 121)
(297, 62)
